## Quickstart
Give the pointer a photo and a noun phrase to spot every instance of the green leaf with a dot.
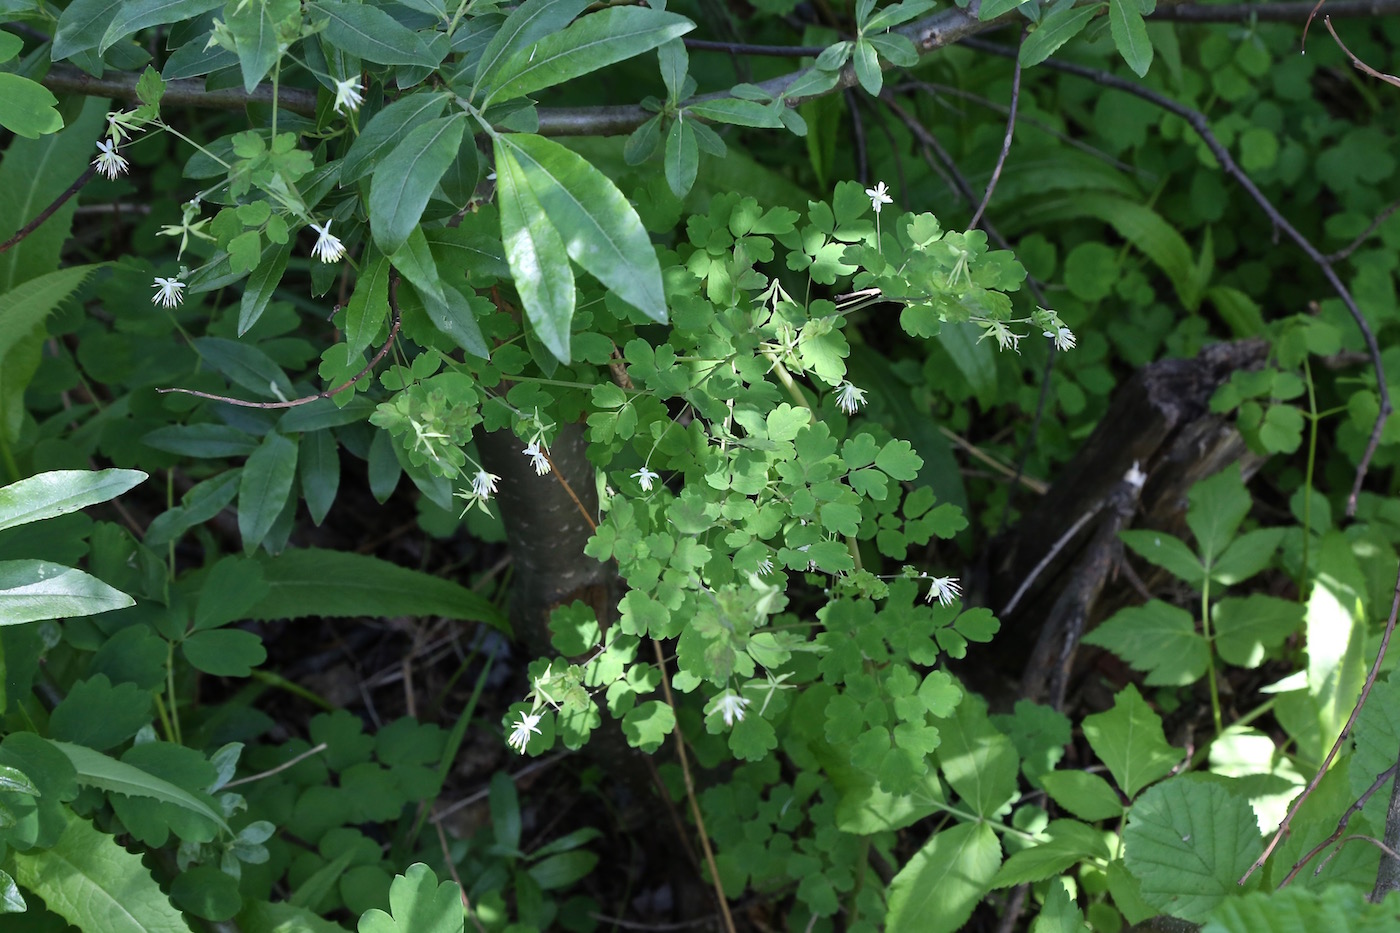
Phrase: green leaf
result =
(974, 358)
(368, 32)
(897, 13)
(1060, 26)
(31, 590)
(1130, 35)
(227, 652)
(1167, 552)
(81, 25)
(994, 8)
(1188, 842)
(257, 292)
(282, 917)
(538, 259)
(96, 885)
(647, 725)
(593, 42)
(134, 15)
(24, 307)
(1246, 628)
(417, 904)
(404, 181)
(318, 464)
(526, 25)
(1086, 795)
(682, 159)
(1299, 908)
(106, 773)
(264, 487)
(1060, 913)
(255, 36)
(1129, 740)
(311, 582)
(867, 65)
(1070, 843)
(734, 111)
(937, 889)
(978, 762)
(203, 440)
(27, 108)
(1217, 506)
(1159, 639)
(369, 304)
(245, 365)
(898, 459)
(99, 715)
(385, 129)
(232, 587)
(48, 495)
(1247, 555)
(600, 229)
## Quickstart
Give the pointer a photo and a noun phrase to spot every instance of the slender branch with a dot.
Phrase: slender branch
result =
(291, 762)
(1341, 737)
(1271, 12)
(1352, 810)
(48, 212)
(308, 399)
(1198, 122)
(186, 92)
(1358, 63)
(744, 48)
(1365, 235)
(1005, 143)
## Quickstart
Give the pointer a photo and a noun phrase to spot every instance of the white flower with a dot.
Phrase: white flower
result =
(1063, 337)
(108, 163)
(945, 589)
(849, 398)
(328, 248)
(646, 477)
(879, 196)
(484, 484)
(537, 458)
(1006, 338)
(520, 732)
(169, 292)
(731, 706)
(765, 567)
(347, 94)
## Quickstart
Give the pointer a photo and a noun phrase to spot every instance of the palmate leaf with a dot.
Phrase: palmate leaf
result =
(594, 42)
(96, 885)
(27, 108)
(418, 904)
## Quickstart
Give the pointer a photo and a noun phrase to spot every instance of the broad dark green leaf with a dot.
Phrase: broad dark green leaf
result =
(369, 33)
(319, 466)
(201, 440)
(536, 254)
(255, 35)
(682, 157)
(600, 229)
(230, 589)
(95, 769)
(245, 365)
(369, 304)
(263, 490)
(31, 590)
(310, 582)
(939, 886)
(1130, 35)
(81, 26)
(138, 14)
(401, 185)
(225, 652)
(62, 491)
(1055, 30)
(386, 129)
(261, 284)
(526, 25)
(594, 42)
(455, 318)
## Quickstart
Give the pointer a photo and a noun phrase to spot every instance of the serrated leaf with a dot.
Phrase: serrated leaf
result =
(1217, 506)
(1167, 552)
(1247, 555)
(312, 582)
(536, 253)
(978, 762)
(1246, 628)
(593, 42)
(1060, 26)
(404, 181)
(1070, 842)
(1129, 740)
(95, 884)
(939, 886)
(1188, 842)
(1086, 795)
(1158, 639)
(600, 229)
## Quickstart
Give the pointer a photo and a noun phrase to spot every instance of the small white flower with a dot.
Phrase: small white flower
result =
(945, 589)
(520, 732)
(879, 196)
(849, 399)
(169, 292)
(731, 706)
(1007, 339)
(765, 567)
(484, 484)
(537, 458)
(1063, 337)
(108, 163)
(646, 477)
(328, 248)
(348, 95)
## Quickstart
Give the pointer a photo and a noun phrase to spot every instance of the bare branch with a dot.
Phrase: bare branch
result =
(1005, 143)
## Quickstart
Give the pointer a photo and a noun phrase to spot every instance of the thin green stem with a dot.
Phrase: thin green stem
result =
(1210, 654)
(1313, 417)
(276, 77)
(295, 689)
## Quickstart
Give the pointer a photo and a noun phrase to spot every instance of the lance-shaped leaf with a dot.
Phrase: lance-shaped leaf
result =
(385, 129)
(1130, 35)
(369, 33)
(594, 42)
(31, 590)
(255, 34)
(262, 492)
(138, 14)
(600, 229)
(1054, 31)
(536, 254)
(526, 25)
(400, 187)
(60, 492)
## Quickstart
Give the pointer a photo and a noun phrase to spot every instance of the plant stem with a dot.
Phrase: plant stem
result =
(1210, 654)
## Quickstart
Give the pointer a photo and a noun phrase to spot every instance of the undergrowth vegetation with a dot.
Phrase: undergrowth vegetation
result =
(551, 466)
